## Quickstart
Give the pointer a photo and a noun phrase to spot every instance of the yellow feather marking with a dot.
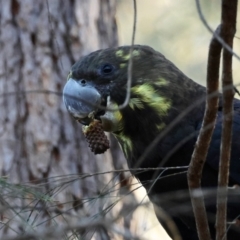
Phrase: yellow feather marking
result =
(125, 143)
(119, 53)
(135, 103)
(161, 126)
(150, 96)
(126, 57)
(136, 53)
(112, 120)
(118, 118)
(123, 65)
(161, 82)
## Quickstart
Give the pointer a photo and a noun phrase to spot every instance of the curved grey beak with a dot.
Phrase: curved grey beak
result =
(81, 100)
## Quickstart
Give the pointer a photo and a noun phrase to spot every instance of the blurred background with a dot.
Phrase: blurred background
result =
(175, 29)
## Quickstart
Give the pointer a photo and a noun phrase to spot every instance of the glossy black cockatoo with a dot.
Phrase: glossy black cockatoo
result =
(159, 93)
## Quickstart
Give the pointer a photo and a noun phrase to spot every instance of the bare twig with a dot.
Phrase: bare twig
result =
(203, 141)
(130, 63)
(216, 35)
(228, 29)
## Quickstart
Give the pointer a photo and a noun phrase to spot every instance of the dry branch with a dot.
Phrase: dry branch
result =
(228, 29)
(203, 141)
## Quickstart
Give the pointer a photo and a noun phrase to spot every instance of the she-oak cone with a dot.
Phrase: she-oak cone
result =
(96, 138)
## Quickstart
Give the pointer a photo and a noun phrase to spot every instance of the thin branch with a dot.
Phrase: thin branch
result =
(228, 29)
(130, 63)
(216, 35)
(203, 141)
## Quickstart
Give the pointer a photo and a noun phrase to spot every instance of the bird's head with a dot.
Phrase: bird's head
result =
(98, 82)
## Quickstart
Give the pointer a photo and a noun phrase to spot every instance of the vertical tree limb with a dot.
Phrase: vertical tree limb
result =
(203, 141)
(228, 29)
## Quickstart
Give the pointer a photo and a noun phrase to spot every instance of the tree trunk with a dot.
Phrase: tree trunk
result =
(52, 186)
(40, 143)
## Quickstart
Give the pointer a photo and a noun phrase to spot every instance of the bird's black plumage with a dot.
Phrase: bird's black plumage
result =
(160, 94)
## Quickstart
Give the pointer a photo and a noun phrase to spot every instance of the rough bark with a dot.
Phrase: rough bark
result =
(43, 154)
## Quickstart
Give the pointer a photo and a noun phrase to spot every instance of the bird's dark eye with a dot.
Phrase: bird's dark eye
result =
(83, 81)
(107, 69)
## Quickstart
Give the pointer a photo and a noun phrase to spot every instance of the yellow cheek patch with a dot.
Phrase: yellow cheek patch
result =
(148, 94)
